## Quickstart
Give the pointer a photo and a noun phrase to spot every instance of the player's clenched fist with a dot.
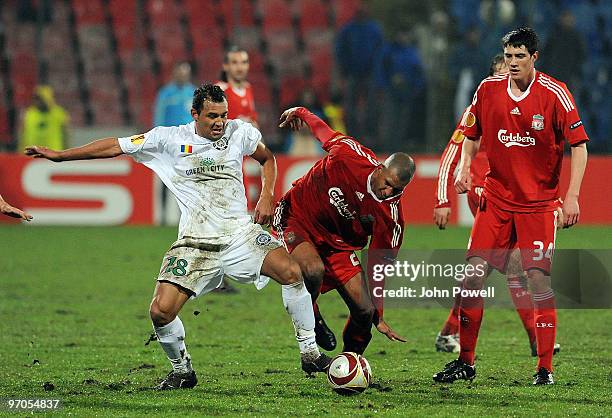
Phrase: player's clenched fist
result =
(441, 216)
(463, 182)
(264, 210)
(290, 119)
(42, 152)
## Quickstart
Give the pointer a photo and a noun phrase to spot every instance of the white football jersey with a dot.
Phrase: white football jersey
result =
(205, 176)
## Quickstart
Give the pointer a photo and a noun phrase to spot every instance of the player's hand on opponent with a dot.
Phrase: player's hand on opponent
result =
(441, 216)
(42, 152)
(463, 182)
(383, 328)
(290, 119)
(570, 212)
(14, 212)
(264, 210)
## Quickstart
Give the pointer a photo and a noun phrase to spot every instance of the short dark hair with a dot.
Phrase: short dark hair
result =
(522, 36)
(210, 92)
(230, 50)
(402, 165)
(497, 59)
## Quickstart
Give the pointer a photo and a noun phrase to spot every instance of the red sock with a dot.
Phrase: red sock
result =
(356, 337)
(470, 316)
(545, 327)
(524, 306)
(451, 326)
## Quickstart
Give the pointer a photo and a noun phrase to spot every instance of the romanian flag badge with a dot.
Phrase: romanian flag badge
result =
(187, 148)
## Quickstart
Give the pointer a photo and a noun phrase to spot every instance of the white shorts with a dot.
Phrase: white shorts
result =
(200, 267)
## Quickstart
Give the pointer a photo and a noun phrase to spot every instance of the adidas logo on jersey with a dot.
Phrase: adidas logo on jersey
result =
(515, 111)
(359, 196)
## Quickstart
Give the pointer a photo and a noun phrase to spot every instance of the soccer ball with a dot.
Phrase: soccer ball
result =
(349, 373)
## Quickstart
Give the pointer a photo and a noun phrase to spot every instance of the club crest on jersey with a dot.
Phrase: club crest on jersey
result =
(263, 239)
(290, 237)
(187, 148)
(511, 140)
(336, 198)
(207, 162)
(220, 144)
(537, 122)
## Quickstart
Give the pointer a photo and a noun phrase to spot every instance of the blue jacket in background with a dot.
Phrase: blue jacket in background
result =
(400, 71)
(357, 47)
(173, 105)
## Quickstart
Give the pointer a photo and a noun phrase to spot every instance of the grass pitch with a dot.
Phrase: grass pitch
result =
(74, 315)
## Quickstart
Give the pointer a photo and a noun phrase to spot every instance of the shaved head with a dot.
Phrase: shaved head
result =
(401, 165)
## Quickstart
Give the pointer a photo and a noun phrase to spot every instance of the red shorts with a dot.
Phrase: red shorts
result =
(340, 265)
(496, 232)
(473, 196)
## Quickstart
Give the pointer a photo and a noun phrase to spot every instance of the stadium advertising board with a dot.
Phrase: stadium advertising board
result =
(120, 191)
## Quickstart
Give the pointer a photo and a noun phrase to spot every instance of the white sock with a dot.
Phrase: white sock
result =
(299, 306)
(172, 339)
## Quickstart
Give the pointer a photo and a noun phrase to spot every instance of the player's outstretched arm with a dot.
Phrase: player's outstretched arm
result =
(295, 118)
(102, 148)
(265, 205)
(571, 209)
(13, 212)
(463, 182)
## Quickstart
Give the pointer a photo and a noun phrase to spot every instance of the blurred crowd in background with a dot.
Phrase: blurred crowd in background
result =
(396, 74)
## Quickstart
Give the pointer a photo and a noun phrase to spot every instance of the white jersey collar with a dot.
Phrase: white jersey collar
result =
(525, 93)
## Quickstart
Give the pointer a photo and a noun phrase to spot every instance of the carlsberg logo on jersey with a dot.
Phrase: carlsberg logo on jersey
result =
(336, 198)
(511, 140)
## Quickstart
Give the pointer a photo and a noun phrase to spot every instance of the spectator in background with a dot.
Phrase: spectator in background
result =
(433, 38)
(173, 108)
(400, 74)
(237, 89)
(334, 112)
(301, 142)
(358, 48)
(45, 122)
(466, 66)
(564, 52)
(173, 103)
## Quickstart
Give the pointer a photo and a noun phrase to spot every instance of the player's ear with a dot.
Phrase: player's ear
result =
(194, 114)
(535, 56)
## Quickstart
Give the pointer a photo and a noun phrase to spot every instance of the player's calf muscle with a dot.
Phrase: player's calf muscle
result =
(281, 267)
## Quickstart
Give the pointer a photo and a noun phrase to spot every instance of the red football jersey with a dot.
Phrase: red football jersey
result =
(240, 102)
(524, 139)
(335, 198)
(451, 157)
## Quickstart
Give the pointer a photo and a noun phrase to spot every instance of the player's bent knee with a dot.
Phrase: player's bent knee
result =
(159, 315)
(363, 314)
(473, 282)
(292, 274)
(313, 271)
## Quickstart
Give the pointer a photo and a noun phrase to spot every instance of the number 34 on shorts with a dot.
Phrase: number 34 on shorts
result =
(542, 251)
